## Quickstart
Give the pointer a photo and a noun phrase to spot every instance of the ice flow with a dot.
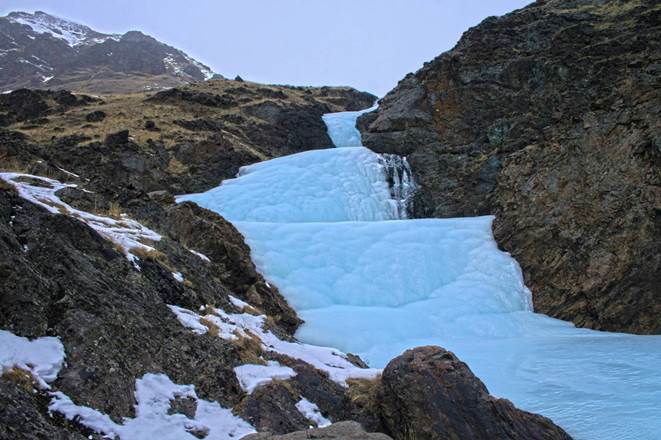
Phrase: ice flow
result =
(322, 227)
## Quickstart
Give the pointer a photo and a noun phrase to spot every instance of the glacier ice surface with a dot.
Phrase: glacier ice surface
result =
(375, 286)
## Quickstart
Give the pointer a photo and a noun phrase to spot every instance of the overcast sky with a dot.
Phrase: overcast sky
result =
(368, 44)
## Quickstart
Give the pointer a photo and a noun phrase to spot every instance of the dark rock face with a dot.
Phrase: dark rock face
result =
(31, 105)
(272, 408)
(43, 51)
(213, 236)
(112, 319)
(336, 431)
(549, 118)
(429, 394)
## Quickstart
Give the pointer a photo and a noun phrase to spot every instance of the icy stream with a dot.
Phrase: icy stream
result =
(326, 229)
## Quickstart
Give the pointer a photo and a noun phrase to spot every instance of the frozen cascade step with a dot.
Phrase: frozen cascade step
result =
(334, 185)
(322, 226)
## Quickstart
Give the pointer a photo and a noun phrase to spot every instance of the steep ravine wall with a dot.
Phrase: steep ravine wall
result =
(549, 118)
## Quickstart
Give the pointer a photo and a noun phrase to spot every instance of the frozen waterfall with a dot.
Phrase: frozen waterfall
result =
(327, 227)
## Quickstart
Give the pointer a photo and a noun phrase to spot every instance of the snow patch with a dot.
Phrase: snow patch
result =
(201, 255)
(178, 276)
(231, 326)
(236, 302)
(127, 234)
(73, 34)
(43, 357)
(312, 412)
(154, 393)
(252, 375)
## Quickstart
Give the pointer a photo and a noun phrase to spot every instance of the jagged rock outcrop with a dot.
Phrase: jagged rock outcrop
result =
(549, 118)
(39, 50)
(428, 394)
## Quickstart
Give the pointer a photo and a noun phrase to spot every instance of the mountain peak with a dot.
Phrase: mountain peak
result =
(74, 34)
(39, 50)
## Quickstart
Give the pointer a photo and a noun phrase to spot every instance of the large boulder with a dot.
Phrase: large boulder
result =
(428, 394)
(549, 118)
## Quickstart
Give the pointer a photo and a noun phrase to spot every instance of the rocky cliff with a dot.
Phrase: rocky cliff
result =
(39, 50)
(549, 118)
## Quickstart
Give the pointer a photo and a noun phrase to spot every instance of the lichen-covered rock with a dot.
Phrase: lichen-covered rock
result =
(428, 394)
(549, 118)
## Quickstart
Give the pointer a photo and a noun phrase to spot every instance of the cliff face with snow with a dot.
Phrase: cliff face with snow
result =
(42, 51)
(548, 117)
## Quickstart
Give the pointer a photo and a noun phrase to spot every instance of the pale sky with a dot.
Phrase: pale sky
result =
(368, 44)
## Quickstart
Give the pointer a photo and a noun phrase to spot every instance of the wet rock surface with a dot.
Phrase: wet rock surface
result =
(548, 117)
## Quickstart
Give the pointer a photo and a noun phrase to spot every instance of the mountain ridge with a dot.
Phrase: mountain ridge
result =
(40, 50)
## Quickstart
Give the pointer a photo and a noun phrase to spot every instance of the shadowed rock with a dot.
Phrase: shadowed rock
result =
(427, 393)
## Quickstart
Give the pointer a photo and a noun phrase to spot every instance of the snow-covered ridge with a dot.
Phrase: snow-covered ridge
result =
(128, 235)
(73, 34)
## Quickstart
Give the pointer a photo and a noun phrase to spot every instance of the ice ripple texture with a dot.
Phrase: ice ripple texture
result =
(317, 226)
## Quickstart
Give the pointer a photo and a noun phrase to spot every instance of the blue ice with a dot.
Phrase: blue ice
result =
(321, 228)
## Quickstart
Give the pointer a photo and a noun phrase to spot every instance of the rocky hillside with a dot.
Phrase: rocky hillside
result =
(181, 140)
(549, 118)
(42, 51)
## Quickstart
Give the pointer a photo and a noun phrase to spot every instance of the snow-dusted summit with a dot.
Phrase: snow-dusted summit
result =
(39, 50)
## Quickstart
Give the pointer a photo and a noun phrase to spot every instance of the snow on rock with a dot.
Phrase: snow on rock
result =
(178, 276)
(231, 326)
(154, 393)
(314, 186)
(252, 375)
(43, 357)
(311, 412)
(236, 302)
(189, 319)
(128, 235)
(73, 34)
(201, 256)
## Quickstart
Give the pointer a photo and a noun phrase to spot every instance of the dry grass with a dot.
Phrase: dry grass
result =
(214, 330)
(250, 349)
(176, 167)
(364, 393)
(60, 207)
(114, 211)
(130, 111)
(12, 164)
(148, 254)
(20, 377)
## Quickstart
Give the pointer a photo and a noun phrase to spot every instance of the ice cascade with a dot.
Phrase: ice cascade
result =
(329, 228)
